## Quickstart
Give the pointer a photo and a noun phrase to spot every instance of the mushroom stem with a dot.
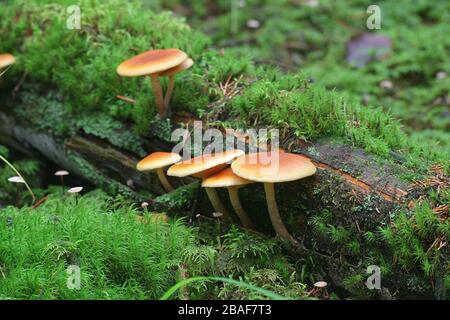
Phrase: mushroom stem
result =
(158, 96)
(274, 214)
(62, 185)
(237, 206)
(215, 201)
(163, 179)
(169, 92)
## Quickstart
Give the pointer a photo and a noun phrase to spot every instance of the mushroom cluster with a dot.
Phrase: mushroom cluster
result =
(203, 167)
(267, 167)
(156, 64)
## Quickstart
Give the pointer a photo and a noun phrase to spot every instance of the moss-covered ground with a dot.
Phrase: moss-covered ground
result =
(120, 257)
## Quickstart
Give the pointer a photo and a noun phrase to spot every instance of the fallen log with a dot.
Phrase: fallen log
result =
(359, 190)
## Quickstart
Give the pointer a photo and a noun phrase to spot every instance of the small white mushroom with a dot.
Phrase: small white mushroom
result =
(75, 190)
(386, 84)
(253, 24)
(320, 284)
(62, 173)
(441, 75)
(217, 214)
(16, 179)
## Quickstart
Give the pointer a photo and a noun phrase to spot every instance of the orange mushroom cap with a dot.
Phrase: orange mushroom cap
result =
(6, 60)
(205, 174)
(158, 160)
(186, 64)
(273, 167)
(204, 165)
(150, 62)
(223, 179)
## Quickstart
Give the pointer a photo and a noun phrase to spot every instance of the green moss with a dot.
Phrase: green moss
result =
(179, 200)
(121, 258)
(113, 250)
(43, 111)
(112, 131)
(296, 36)
(403, 246)
(89, 88)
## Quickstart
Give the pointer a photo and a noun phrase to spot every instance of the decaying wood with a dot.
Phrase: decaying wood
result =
(342, 168)
(358, 169)
(364, 172)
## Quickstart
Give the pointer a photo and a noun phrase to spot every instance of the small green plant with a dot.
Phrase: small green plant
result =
(179, 285)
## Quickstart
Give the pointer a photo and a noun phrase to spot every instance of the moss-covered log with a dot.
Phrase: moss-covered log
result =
(365, 174)
(356, 187)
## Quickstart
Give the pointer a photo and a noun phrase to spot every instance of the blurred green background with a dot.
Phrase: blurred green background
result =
(412, 81)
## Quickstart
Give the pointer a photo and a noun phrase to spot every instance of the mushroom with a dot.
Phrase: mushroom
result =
(16, 179)
(6, 60)
(320, 289)
(61, 174)
(158, 161)
(75, 190)
(151, 63)
(204, 166)
(227, 179)
(3, 159)
(320, 284)
(270, 168)
(186, 64)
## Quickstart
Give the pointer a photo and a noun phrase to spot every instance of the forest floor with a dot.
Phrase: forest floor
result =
(310, 68)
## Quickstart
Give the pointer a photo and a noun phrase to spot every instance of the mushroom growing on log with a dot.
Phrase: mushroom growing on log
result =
(269, 168)
(354, 174)
(158, 161)
(202, 167)
(151, 63)
(171, 73)
(227, 179)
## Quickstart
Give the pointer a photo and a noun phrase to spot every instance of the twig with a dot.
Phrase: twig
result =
(126, 99)
(19, 84)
